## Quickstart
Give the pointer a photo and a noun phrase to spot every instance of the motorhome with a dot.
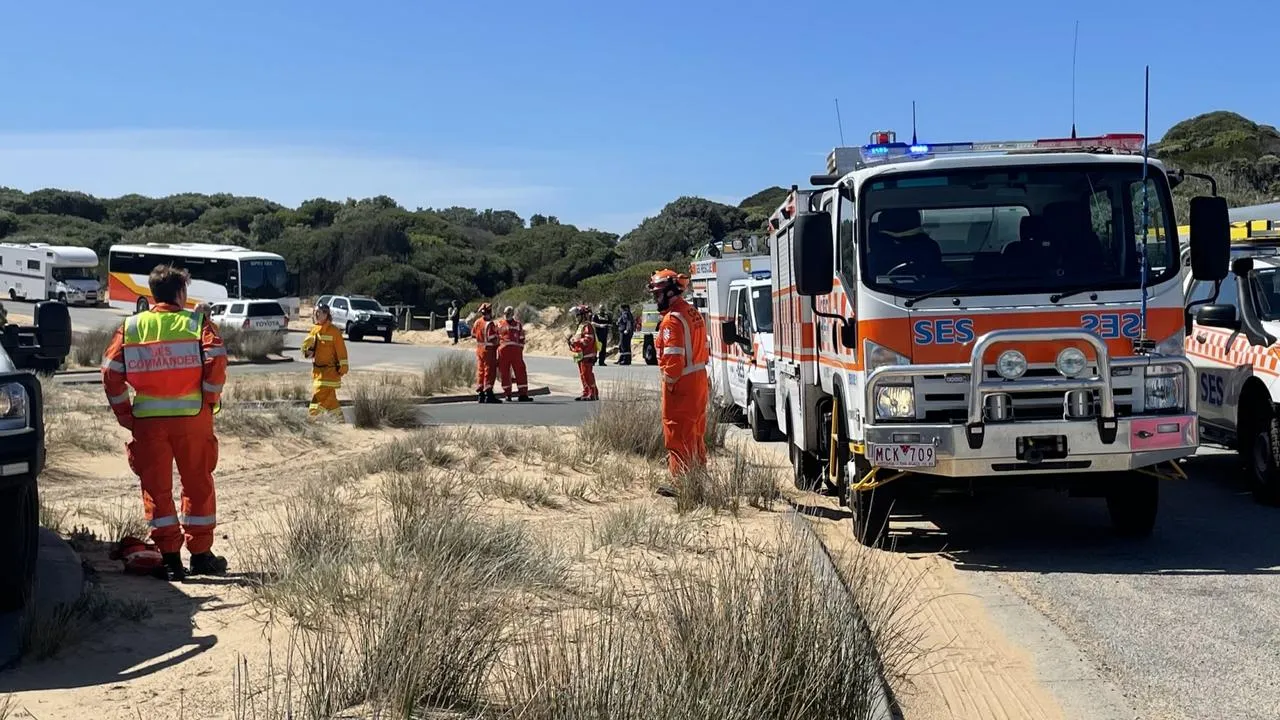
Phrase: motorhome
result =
(40, 271)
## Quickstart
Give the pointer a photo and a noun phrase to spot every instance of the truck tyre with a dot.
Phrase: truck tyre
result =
(870, 510)
(762, 430)
(1260, 450)
(1132, 501)
(806, 470)
(19, 535)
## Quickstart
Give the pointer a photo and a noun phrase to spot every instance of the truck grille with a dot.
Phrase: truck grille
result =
(939, 401)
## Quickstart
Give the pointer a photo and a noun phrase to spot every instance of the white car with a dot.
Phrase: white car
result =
(359, 315)
(249, 315)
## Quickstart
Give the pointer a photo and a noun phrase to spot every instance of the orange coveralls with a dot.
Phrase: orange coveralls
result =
(681, 344)
(163, 369)
(328, 353)
(584, 346)
(486, 334)
(511, 357)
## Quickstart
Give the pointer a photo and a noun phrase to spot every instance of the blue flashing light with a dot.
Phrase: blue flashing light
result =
(760, 275)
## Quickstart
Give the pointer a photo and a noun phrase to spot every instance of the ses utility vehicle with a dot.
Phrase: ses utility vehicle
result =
(1232, 341)
(735, 278)
(979, 311)
(40, 271)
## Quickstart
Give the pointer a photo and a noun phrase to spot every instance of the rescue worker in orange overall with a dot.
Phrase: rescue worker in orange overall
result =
(485, 331)
(511, 355)
(176, 364)
(328, 353)
(681, 344)
(585, 345)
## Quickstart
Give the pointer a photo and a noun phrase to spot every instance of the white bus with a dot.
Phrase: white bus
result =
(218, 273)
(40, 271)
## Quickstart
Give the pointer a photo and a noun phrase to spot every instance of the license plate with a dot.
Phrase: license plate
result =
(903, 455)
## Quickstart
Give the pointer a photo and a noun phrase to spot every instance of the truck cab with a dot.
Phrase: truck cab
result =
(988, 313)
(1232, 342)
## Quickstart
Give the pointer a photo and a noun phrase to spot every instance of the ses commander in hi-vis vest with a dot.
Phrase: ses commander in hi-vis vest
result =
(175, 362)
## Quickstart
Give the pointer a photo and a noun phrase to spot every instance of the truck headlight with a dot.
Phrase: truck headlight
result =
(362, 317)
(1164, 392)
(1011, 364)
(895, 401)
(1173, 347)
(1071, 362)
(14, 408)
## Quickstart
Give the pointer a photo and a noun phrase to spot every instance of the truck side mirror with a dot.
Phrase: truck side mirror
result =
(1210, 238)
(813, 253)
(849, 335)
(1218, 316)
(729, 332)
(53, 329)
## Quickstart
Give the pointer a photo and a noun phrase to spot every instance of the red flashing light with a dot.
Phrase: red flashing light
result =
(1131, 142)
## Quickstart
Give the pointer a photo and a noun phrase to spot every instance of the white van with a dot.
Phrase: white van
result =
(39, 271)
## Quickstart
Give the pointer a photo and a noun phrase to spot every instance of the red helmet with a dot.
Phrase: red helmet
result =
(485, 308)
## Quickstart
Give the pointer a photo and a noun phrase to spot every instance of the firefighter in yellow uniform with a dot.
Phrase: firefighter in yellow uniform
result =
(328, 355)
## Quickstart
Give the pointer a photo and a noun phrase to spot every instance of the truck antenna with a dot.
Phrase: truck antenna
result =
(913, 123)
(1142, 263)
(839, 123)
(1075, 46)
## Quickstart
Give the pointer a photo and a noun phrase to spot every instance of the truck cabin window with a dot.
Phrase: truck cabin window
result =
(1265, 284)
(762, 304)
(1037, 229)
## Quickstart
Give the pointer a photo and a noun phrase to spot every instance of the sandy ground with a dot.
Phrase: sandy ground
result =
(182, 660)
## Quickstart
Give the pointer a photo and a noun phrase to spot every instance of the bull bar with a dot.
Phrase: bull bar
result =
(1106, 450)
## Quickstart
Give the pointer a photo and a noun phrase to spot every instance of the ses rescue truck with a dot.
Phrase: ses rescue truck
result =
(1234, 326)
(962, 311)
(735, 280)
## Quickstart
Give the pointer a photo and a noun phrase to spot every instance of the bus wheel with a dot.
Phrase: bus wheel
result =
(141, 305)
(13, 295)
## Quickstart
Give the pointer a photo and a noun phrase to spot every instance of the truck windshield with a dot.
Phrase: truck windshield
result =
(75, 273)
(1003, 230)
(366, 305)
(762, 307)
(1266, 288)
(263, 279)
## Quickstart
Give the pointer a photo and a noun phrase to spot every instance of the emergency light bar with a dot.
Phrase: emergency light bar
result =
(844, 160)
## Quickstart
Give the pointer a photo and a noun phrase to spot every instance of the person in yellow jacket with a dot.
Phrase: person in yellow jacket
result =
(328, 354)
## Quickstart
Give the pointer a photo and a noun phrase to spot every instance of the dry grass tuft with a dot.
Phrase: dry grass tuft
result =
(737, 637)
(48, 631)
(88, 346)
(423, 448)
(120, 521)
(383, 405)
(248, 388)
(724, 486)
(54, 518)
(246, 423)
(642, 525)
(252, 344)
(630, 423)
(78, 431)
(451, 371)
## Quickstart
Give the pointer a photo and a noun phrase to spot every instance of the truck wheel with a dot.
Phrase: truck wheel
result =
(1260, 451)
(1132, 501)
(761, 429)
(870, 510)
(13, 295)
(806, 470)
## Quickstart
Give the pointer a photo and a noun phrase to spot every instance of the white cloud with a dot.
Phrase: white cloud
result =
(163, 162)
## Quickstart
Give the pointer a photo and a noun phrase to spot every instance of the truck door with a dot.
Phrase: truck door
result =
(740, 355)
(1219, 376)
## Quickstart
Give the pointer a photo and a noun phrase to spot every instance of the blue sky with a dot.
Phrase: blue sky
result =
(598, 113)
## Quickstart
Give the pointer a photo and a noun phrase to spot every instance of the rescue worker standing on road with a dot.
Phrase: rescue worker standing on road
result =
(328, 354)
(681, 345)
(584, 344)
(511, 355)
(176, 364)
(626, 328)
(485, 331)
(602, 322)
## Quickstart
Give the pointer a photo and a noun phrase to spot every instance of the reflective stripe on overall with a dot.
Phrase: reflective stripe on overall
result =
(686, 351)
(164, 363)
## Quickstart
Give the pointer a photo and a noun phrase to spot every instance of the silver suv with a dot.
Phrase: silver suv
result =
(359, 315)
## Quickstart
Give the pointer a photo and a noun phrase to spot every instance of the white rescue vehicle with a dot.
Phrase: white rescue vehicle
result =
(963, 313)
(40, 271)
(735, 280)
(1233, 344)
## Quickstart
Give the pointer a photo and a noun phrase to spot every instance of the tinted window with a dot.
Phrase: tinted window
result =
(33, 264)
(265, 309)
(340, 303)
(364, 304)
(265, 279)
(762, 301)
(237, 309)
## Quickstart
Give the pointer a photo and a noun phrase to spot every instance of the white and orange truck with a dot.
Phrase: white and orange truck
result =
(983, 313)
(734, 279)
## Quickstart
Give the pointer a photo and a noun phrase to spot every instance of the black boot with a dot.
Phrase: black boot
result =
(524, 398)
(171, 569)
(206, 563)
(480, 396)
(491, 398)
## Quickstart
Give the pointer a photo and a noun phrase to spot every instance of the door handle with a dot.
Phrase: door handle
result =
(1201, 337)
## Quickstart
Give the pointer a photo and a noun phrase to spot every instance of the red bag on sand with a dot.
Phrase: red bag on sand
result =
(139, 558)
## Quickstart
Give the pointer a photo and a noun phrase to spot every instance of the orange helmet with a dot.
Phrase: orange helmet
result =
(668, 279)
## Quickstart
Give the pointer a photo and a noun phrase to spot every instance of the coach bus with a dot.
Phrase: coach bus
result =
(218, 273)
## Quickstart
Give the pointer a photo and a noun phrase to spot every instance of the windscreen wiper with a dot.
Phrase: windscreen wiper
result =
(1094, 285)
(962, 285)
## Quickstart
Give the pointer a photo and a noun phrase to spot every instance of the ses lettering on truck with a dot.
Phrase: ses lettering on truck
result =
(1212, 389)
(945, 331)
(960, 331)
(1111, 325)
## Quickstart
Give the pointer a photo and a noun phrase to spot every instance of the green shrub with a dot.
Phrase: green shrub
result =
(623, 286)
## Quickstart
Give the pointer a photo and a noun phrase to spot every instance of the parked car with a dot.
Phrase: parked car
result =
(358, 315)
(249, 315)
